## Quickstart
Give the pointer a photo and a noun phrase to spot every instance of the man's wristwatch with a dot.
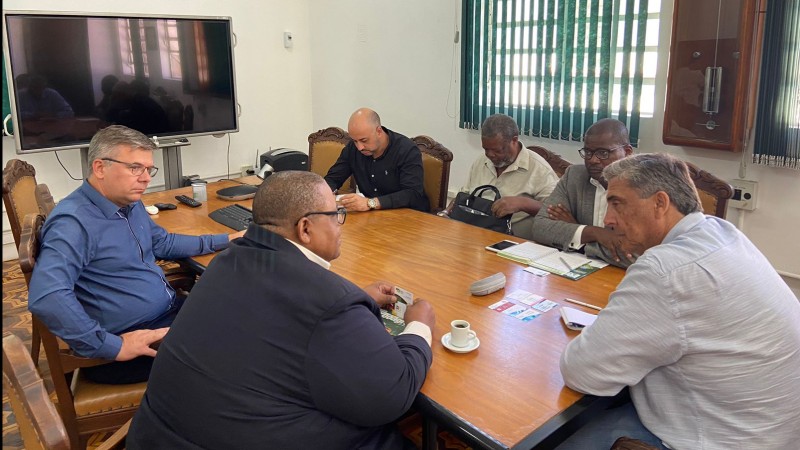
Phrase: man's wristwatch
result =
(372, 203)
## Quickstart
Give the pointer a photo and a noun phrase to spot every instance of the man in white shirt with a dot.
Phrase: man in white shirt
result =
(572, 216)
(702, 328)
(523, 178)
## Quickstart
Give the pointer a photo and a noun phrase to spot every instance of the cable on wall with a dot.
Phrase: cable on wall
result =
(65, 169)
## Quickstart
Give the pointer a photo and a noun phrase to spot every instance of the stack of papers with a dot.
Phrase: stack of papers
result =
(526, 252)
(566, 264)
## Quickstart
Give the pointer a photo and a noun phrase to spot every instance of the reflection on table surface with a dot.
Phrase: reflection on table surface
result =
(53, 131)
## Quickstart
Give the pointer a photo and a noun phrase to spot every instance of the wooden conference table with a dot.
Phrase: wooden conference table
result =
(508, 393)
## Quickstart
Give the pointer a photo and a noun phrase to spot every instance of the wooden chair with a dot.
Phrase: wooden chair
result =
(36, 416)
(85, 407)
(20, 199)
(44, 200)
(436, 169)
(324, 148)
(626, 443)
(714, 192)
(555, 160)
(19, 184)
(46, 204)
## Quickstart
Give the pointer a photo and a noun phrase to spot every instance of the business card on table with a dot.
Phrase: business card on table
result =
(528, 315)
(514, 310)
(501, 306)
(545, 305)
(404, 299)
(524, 297)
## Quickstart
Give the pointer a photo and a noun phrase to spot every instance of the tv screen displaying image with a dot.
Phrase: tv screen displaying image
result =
(72, 74)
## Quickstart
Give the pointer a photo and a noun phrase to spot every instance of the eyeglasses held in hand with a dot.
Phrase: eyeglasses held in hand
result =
(340, 213)
(601, 153)
(136, 169)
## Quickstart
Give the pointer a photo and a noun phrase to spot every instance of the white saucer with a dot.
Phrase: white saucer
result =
(446, 342)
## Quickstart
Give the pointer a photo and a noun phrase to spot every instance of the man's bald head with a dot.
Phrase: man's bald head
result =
(364, 117)
(367, 133)
(616, 130)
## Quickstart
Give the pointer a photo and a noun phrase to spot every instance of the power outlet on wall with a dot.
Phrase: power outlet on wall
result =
(744, 194)
(245, 169)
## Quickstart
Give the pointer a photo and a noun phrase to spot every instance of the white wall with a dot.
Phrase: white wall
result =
(396, 57)
(399, 58)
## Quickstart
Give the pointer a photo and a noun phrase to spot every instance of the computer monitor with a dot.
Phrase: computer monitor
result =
(71, 74)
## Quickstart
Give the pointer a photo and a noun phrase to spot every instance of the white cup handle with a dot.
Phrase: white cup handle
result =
(472, 336)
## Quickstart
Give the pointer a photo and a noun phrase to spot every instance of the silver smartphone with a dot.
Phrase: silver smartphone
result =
(502, 245)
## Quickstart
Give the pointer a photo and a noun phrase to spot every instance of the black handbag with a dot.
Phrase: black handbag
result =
(476, 210)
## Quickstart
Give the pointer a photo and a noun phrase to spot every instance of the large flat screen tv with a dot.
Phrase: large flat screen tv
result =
(71, 74)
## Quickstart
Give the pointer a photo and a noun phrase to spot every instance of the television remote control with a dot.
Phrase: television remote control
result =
(188, 201)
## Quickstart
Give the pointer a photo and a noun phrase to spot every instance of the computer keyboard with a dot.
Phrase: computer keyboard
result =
(233, 216)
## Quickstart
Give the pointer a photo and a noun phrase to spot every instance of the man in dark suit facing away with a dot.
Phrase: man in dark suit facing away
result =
(273, 350)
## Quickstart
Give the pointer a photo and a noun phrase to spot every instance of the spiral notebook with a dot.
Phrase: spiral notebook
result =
(566, 264)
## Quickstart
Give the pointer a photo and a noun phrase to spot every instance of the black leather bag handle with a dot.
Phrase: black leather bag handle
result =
(478, 192)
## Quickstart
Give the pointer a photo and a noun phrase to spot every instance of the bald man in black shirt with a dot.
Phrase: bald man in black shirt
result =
(387, 167)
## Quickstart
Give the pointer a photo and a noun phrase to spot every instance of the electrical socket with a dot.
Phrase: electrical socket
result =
(744, 194)
(245, 168)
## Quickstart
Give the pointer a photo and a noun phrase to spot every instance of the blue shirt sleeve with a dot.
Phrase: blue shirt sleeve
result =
(51, 295)
(177, 246)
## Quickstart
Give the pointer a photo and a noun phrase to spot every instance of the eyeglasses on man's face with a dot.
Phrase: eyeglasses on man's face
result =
(601, 153)
(135, 168)
(340, 213)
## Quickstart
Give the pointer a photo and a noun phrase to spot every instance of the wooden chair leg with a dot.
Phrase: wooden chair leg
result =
(36, 344)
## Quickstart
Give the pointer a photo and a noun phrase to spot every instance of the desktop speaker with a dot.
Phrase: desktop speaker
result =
(237, 193)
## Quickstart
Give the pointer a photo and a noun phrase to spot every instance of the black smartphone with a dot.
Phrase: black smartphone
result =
(502, 245)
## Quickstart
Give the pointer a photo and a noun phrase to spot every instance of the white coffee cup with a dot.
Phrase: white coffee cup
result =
(460, 334)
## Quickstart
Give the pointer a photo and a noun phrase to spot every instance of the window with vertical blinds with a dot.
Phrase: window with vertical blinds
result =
(777, 137)
(557, 66)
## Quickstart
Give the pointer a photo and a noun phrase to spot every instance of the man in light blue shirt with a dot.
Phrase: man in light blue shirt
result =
(702, 328)
(96, 284)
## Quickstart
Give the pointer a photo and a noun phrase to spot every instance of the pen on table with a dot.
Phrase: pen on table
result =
(564, 261)
(583, 304)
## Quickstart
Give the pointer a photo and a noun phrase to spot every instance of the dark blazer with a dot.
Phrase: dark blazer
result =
(273, 351)
(576, 193)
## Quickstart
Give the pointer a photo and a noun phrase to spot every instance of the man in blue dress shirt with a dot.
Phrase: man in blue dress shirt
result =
(96, 284)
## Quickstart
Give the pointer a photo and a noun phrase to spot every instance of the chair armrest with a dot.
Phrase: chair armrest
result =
(117, 440)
